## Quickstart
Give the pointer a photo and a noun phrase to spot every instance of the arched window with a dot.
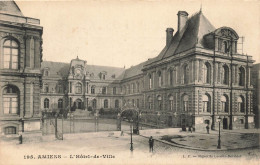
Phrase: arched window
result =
(116, 104)
(206, 103)
(185, 74)
(171, 76)
(226, 49)
(224, 103)
(10, 100)
(93, 89)
(106, 103)
(150, 81)
(79, 104)
(94, 104)
(10, 130)
(241, 76)
(46, 103)
(78, 88)
(206, 72)
(159, 99)
(241, 104)
(46, 73)
(133, 102)
(226, 75)
(10, 57)
(159, 78)
(171, 102)
(60, 103)
(149, 102)
(185, 99)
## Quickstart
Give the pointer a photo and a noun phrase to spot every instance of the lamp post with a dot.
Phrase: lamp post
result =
(118, 122)
(131, 133)
(158, 120)
(219, 141)
(96, 121)
(139, 119)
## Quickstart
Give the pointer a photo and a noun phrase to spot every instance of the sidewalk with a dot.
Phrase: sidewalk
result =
(230, 139)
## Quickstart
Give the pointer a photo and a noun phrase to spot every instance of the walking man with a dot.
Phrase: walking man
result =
(151, 141)
(207, 127)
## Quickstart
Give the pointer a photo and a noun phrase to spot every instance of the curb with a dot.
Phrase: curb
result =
(198, 149)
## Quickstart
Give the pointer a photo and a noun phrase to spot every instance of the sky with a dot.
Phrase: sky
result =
(126, 33)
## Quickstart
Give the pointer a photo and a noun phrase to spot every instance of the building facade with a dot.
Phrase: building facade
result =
(20, 70)
(197, 78)
(256, 96)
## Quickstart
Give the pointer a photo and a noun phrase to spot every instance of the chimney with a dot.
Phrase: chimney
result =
(182, 19)
(169, 36)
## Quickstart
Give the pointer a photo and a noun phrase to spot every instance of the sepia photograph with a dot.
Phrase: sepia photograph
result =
(129, 82)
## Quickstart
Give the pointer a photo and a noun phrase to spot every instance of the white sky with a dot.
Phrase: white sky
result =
(118, 33)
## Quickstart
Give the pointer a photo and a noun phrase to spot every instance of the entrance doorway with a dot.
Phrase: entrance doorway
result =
(225, 123)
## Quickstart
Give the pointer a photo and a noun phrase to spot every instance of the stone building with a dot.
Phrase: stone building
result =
(256, 96)
(20, 70)
(197, 78)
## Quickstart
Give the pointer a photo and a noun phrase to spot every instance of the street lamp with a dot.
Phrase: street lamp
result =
(118, 122)
(158, 119)
(140, 116)
(131, 133)
(96, 121)
(219, 141)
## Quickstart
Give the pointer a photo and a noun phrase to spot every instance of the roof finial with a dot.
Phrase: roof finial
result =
(201, 7)
(77, 57)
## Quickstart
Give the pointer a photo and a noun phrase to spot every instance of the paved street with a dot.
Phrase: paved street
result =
(84, 148)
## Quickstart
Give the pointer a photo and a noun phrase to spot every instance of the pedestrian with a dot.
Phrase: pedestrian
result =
(122, 133)
(207, 127)
(190, 129)
(20, 139)
(151, 141)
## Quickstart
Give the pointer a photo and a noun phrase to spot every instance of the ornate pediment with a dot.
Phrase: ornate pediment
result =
(227, 32)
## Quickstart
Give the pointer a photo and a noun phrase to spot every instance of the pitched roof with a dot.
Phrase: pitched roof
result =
(189, 37)
(59, 70)
(134, 70)
(10, 7)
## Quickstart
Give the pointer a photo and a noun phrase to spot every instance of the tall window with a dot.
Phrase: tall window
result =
(46, 88)
(150, 81)
(60, 103)
(138, 87)
(137, 103)
(241, 76)
(159, 78)
(171, 103)
(106, 103)
(46, 103)
(185, 100)
(241, 104)
(78, 88)
(206, 103)
(186, 74)
(225, 44)
(133, 102)
(114, 90)
(10, 100)
(149, 102)
(159, 99)
(226, 75)
(206, 72)
(10, 54)
(171, 76)
(92, 89)
(94, 104)
(133, 87)
(60, 89)
(116, 104)
(224, 103)
(46, 73)
(104, 90)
